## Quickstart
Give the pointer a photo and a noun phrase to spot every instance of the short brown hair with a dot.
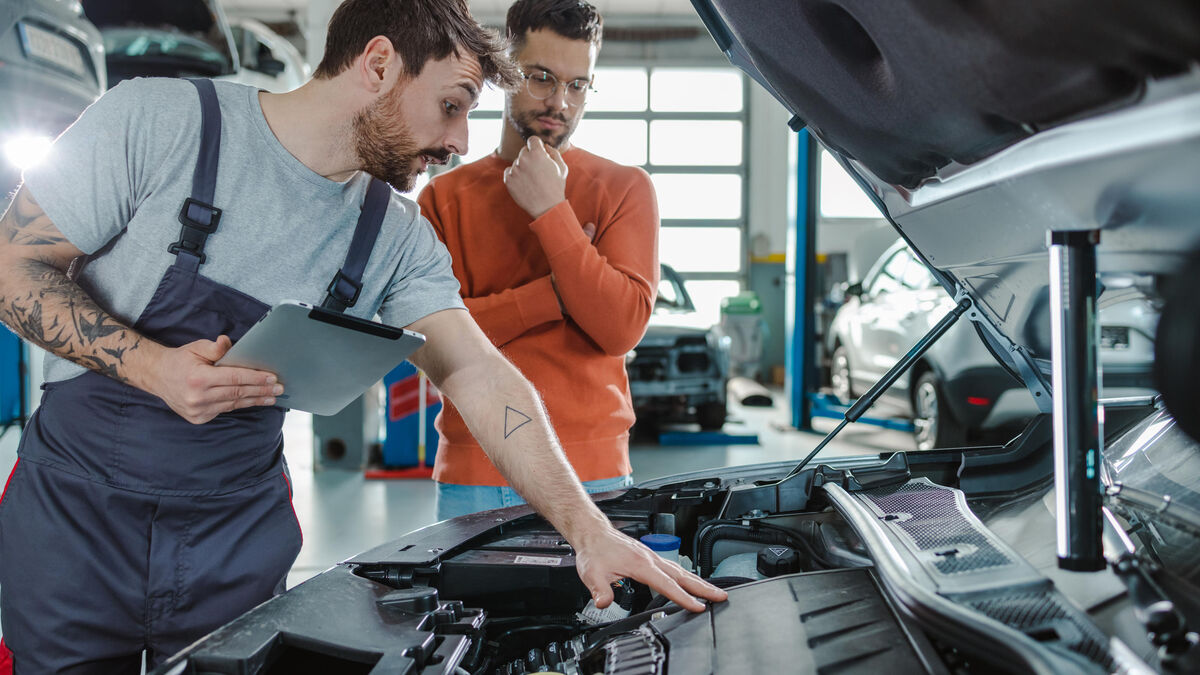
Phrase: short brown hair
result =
(572, 19)
(420, 31)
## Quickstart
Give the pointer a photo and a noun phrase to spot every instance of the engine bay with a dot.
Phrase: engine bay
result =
(850, 566)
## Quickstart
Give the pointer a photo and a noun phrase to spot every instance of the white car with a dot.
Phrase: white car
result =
(193, 38)
(268, 61)
(958, 388)
(51, 68)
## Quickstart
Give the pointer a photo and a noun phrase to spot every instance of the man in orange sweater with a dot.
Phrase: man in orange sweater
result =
(556, 251)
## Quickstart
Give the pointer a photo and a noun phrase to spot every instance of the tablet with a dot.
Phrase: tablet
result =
(323, 359)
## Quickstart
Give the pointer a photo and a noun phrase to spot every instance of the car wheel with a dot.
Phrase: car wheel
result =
(711, 416)
(839, 376)
(934, 426)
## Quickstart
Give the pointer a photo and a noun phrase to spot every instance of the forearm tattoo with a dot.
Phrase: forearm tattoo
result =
(26, 224)
(41, 304)
(514, 419)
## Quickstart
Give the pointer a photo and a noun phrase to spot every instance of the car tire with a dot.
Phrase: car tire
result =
(711, 416)
(839, 376)
(934, 424)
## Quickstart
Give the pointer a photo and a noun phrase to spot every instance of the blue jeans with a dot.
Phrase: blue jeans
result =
(458, 500)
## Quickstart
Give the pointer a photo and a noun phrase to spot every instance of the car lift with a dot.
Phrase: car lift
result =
(806, 401)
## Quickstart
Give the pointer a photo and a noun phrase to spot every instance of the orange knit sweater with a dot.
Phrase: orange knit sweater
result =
(503, 259)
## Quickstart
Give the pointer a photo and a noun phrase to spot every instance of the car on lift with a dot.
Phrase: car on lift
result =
(983, 134)
(51, 68)
(184, 38)
(958, 390)
(679, 369)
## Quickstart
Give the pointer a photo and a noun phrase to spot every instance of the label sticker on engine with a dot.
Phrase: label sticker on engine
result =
(537, 560)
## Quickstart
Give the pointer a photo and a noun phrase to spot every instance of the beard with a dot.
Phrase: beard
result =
(523, 123)
(385, 144)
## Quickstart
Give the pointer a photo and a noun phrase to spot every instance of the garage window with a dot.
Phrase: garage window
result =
(840, 196)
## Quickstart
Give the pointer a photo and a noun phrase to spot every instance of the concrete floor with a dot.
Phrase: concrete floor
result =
(343, 514)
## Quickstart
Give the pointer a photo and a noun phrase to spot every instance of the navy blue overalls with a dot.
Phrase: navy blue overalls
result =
(123, 526)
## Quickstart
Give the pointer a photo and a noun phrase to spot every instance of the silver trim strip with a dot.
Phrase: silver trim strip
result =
(896, 575)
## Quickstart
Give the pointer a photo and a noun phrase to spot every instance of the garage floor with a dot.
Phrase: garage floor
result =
(343, 514)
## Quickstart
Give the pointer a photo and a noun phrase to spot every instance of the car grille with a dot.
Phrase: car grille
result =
(693, 362)
(650, 364)
(1114, 337)
(689, 357)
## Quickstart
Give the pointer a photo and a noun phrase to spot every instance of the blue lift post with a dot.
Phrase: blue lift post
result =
(803, 381)
(14, 405)
(802, 273)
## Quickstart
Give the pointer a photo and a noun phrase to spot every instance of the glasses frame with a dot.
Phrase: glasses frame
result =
(528, 74)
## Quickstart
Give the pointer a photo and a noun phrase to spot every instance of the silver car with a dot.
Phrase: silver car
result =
(51, 68)
(958, 389)
(182, 38)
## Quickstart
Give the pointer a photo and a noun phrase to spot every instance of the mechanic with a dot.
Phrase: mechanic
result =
(150, 503)
(556, 251)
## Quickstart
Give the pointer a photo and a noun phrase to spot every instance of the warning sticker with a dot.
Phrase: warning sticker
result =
(538, 560)
(778, 551)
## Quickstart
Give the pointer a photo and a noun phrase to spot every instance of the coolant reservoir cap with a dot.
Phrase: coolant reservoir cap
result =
(661, 542)
(776, 560)
(417, 600)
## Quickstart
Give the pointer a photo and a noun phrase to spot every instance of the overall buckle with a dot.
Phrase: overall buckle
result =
(336, 290)
(199, 220)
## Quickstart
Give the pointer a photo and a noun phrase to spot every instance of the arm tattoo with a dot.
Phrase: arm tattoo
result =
(28, 225)
(514, 419)
(41, 304)
(51, 294)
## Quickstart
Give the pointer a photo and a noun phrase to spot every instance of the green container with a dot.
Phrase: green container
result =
(746, 302)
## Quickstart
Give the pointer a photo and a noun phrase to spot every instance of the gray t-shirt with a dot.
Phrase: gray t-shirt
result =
(116, 180)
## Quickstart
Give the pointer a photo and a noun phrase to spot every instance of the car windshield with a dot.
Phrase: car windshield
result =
(672, 296)
(1153, 474)
(190, 33)
(148, 43)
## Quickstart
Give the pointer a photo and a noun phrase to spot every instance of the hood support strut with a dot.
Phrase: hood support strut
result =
(889, 378)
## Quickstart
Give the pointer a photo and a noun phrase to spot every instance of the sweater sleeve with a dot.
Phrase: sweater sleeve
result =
(607, 288)
(502, 316)
(507, 315)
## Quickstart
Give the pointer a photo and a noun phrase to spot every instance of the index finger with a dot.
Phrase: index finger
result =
(226, 376)
(556, 156)
(662, 582)
(537, 145)
(697, 586)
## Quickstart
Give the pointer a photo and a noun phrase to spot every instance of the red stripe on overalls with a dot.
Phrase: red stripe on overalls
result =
(294, 515)
(10, 475)
(6, 660)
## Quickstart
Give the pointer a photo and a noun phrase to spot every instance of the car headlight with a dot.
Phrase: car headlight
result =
(26, 151)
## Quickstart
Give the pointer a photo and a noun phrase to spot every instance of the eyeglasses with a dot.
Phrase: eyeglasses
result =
(541, 85)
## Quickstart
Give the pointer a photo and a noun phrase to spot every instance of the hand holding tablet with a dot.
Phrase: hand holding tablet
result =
(323, 359)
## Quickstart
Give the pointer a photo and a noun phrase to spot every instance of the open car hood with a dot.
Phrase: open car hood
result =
(977, 127)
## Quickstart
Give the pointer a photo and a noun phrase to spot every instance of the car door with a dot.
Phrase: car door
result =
(268, 60)
(885, 304)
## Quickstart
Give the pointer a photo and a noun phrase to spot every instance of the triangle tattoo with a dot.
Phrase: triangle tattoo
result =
(513, 420)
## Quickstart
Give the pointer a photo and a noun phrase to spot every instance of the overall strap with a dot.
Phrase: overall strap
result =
(198, 216)
(347, 283)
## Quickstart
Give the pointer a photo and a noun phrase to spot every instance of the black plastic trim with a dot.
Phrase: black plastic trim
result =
(355, 323)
